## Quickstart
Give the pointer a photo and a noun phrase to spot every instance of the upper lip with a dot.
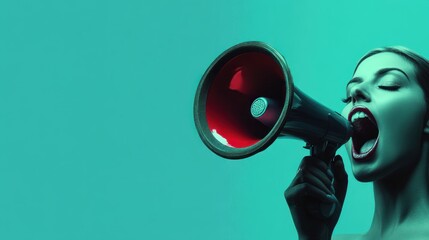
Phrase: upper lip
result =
(360, 108)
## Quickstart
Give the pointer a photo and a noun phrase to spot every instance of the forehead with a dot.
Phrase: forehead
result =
(372, 64)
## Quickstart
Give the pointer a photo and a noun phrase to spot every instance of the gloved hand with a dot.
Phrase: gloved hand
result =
(316, 196)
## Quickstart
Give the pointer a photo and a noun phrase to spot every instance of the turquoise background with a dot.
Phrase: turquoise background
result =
(97, 139)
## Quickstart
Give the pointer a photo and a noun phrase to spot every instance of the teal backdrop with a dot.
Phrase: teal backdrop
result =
(97, 139)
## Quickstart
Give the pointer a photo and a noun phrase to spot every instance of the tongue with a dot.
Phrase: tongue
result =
(367, 146)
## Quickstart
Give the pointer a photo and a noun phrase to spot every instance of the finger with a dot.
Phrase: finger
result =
(313, 161)
(315, 181)
(305, 176)
(315, 177)
(324, 177)
(298, 193)
(341, 178)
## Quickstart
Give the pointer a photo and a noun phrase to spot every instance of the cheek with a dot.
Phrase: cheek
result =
(401, 122)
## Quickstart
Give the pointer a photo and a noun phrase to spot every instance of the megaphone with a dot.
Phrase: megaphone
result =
(246, 99)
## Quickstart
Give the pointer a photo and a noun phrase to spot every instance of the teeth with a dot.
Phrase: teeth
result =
(357, 115)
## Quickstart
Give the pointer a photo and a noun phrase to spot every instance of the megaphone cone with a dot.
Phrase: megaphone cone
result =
(246, 99)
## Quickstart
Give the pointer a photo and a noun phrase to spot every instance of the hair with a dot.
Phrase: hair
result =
(420, 63)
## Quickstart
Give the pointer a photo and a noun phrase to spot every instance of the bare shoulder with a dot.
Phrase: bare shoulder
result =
(347, 237)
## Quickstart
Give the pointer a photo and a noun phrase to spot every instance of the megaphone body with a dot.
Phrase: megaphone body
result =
(246, 99)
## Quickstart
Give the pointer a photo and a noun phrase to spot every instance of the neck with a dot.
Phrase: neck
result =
(402, 200)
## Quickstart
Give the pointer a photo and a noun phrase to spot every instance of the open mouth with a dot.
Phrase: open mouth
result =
(365, 133)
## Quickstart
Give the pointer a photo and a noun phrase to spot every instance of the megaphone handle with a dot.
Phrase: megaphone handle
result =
(325, 152)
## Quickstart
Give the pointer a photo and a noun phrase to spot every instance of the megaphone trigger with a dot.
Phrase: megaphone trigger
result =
(325, 151)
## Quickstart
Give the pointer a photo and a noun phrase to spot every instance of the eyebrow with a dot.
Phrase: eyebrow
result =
(378, 74)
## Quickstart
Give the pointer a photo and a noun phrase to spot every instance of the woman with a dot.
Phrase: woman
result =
(387, 103)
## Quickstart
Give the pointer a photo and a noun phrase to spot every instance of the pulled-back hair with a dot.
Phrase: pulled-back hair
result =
(420, 63)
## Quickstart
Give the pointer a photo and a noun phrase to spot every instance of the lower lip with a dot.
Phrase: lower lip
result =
(366, 155)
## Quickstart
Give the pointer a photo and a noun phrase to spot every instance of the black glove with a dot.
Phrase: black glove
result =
(316, 196)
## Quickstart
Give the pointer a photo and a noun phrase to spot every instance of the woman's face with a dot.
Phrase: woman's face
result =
(387, 108)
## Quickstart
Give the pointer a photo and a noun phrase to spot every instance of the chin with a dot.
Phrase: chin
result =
(369, 170)
(364, 175)
(384, 167)
(362, 171)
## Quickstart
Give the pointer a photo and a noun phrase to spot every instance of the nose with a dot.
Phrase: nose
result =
(359, 94)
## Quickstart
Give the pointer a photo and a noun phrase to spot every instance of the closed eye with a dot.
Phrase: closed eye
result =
(389, 88)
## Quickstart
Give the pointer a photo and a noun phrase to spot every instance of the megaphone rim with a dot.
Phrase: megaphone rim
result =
(201, 97)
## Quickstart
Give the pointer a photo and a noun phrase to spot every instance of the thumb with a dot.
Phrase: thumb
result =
(340, 178)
